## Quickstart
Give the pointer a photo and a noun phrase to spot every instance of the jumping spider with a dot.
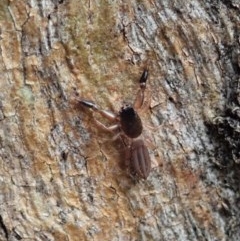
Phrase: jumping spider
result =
(129, 126)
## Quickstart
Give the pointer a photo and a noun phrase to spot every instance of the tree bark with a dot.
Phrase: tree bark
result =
(62, 177)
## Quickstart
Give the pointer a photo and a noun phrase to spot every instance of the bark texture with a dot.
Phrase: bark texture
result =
(61, 178)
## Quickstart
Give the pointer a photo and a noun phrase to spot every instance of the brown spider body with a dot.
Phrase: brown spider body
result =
(130, 124)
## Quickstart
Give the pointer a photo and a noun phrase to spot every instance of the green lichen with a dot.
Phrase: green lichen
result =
(4, 13)
(92, 43)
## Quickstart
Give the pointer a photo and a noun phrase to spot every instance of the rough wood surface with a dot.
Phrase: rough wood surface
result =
(61, 178)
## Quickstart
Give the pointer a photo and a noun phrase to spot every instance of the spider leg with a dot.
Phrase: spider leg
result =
(107, 114)
(106, 128)
(140, 98)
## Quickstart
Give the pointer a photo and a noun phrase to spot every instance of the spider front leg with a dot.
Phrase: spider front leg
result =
(107, 114)
(139, 101)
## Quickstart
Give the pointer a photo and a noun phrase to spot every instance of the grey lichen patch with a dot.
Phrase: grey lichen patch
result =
(26, 93)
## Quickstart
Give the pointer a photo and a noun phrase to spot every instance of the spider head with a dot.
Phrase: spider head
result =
(127, 113)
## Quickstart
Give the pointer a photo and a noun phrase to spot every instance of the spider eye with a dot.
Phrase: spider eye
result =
(127, 112)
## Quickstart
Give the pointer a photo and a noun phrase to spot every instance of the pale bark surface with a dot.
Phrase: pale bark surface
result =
(61, 178)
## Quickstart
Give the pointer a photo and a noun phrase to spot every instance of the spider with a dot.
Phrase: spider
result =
(129, 125)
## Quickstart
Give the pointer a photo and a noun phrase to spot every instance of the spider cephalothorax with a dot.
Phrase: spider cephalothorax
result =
(130, 122)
